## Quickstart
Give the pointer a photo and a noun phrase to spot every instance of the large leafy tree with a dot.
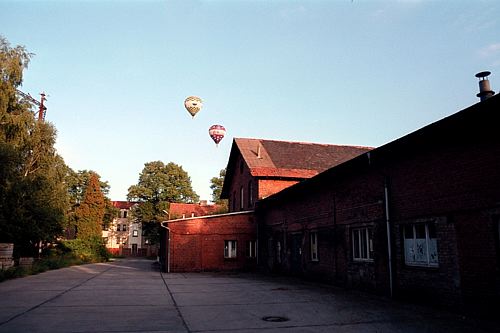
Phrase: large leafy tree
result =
(33, 196)
(158, 185)
(216, 184)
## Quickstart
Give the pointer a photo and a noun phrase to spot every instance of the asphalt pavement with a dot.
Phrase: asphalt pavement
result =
(131, 295)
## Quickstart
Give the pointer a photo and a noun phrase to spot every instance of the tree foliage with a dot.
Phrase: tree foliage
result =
(159, 182)
(77, 183)
(33, 198)
(216, 184)
(158, 185)
(90, 213)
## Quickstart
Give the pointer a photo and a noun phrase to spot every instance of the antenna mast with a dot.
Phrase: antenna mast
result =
(42, 109)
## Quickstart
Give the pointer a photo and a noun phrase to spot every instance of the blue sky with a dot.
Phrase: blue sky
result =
(340, 72)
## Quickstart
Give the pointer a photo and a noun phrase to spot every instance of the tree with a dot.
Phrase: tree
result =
(89, 215)
(216, 184)
(33, 197)
(158, 185)
(77, 183)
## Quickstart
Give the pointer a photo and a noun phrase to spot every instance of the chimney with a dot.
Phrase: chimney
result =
(485, 91)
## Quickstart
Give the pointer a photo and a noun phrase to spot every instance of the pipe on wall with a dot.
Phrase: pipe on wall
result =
(388, 225)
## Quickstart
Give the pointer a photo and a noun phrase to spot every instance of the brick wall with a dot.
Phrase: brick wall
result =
(242, 178)
(454, 185)
(197, 244)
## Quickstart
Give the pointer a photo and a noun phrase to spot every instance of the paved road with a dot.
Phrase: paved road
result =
(132, 296)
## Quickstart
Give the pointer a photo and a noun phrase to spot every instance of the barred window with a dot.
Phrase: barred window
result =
(229, 249)
(314, 245)
(420, 244)
(362, 244)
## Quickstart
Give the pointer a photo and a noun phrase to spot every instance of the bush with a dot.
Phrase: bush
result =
(68, 253)
(12, 273)
(87, 250)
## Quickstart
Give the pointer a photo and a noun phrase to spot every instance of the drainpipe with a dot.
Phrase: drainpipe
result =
(388, 225)
(168, 247)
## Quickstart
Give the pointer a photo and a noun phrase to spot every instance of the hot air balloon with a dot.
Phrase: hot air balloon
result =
(193, 104)
(217, 132)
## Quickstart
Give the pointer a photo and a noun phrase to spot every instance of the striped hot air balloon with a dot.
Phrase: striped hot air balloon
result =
(193, 104)
(217, 133)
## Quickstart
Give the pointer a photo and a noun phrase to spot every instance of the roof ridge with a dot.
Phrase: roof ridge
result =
(308, 143)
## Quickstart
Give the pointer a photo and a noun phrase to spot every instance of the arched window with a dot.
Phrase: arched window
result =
(242, 199)
(250, 194)
(234, 201)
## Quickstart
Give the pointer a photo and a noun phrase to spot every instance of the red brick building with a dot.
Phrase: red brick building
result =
(416, 218)
(194, 240)
(222, 242)
(259, 168)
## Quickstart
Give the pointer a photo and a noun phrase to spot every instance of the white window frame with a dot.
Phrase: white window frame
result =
(362, 244)
(313, 238)
(135, 233)
(414, 247)
(252, 249)
(230, 249)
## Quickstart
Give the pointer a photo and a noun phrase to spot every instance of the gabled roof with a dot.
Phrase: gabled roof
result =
(123, 204)
(286, 159)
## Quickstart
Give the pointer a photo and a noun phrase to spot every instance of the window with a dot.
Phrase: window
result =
(420, 244)
(135, 233)
(278, 252)
(250, 194)
(362, 244)
(314, 245)
(251, 249)
(124, 214)
(242, 202)
(234, 201)
(230, 249)
(124, 227)
(118, 227)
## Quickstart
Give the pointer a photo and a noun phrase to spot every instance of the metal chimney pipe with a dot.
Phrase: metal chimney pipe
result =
(485, 91)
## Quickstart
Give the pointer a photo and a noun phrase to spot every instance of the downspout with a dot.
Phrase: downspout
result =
(335, 237)
(257, 221)
(168, 247)
(388, 225)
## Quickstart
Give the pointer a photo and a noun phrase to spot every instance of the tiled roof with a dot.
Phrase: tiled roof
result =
(123, 204)
(178, 209)
(286, 159)
(270, 158)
